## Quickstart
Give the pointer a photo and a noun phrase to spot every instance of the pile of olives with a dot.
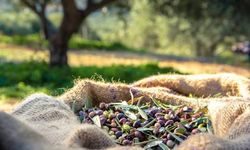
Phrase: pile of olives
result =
(152, 126)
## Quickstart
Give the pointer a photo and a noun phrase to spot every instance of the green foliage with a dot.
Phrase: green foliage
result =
(77, 43)
(141, 28)
(23, 23)
(18, 78)
(20, 90)
(210, 23)
(31, 40)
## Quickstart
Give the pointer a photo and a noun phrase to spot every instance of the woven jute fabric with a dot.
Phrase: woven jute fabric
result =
(226, 95)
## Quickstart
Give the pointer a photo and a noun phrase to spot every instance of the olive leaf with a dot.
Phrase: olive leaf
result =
(175, 136)
(97, 121)
(209, 127)
(164, 146)
(144, 129)
(73, 106)
(131, 115)
(88, 103)
(150, 123)
(142, 113)
(152, 144)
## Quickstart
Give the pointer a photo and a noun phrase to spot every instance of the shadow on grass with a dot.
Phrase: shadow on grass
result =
(17, 80)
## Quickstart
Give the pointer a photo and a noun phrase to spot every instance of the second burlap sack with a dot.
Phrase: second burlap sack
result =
(227, 97)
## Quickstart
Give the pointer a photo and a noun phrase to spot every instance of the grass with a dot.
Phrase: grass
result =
(17, 81)
(79, 43)
(20, 76)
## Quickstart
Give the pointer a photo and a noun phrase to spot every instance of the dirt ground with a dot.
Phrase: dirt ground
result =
(197, 66)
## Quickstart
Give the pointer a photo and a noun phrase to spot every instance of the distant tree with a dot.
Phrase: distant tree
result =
(74, 13)
(208, 23)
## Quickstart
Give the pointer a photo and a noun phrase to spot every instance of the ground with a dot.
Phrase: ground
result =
(107, 58)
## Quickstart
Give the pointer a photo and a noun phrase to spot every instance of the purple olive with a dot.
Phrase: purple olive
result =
(122, 120)
(186, 116)
(113, 125)
(138, 134)
(137, 124)
(170, 137)
(90, 110)
(158, 115)
(92, 114)
(114, 129)
(99, 112)
(161, 122)
(126, 142)
(102, 106)
(164, 140)
(103, 120)
(118, 134)
(129, 137)
(120, 115)
(157, 125)
(81, 113)
(170, 143)
(176, 119)
(160, 118)
(152, 112)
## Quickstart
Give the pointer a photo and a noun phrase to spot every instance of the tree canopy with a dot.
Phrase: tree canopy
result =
(209, 22)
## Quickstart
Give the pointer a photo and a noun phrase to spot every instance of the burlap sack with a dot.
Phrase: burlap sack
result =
(227, 97)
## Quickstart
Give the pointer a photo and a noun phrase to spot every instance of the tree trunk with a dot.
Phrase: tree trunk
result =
(59, 41)
(198, 49)
(58, 51)
(210, 51)
(203, 51)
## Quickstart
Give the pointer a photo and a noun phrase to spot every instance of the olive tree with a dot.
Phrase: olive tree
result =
(74, 13)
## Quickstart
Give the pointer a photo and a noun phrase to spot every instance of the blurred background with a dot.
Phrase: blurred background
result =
(46, 44)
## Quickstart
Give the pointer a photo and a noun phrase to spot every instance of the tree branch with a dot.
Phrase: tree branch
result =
(30, 5)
